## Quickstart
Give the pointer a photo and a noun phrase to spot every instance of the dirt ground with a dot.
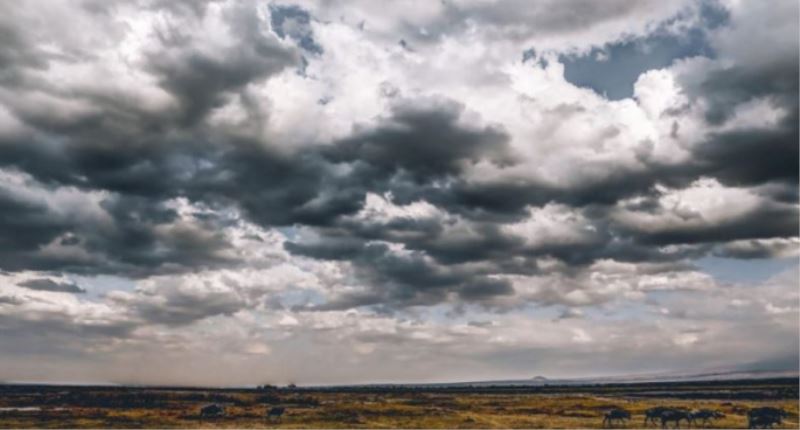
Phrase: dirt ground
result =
(384, 407)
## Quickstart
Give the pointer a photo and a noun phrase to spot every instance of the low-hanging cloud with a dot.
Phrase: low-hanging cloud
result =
(295, 164)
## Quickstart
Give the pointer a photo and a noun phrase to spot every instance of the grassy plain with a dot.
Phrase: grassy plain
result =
(29, 406)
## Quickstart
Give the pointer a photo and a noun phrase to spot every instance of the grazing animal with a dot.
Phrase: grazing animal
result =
(653, 414)
(675, 416)
(276, 413)
(762, 421)
(212, 410)
(765, 417)
(619, 415)
(706, 415)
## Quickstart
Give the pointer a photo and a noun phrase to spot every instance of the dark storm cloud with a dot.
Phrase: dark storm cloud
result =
(441, 266)
(403, 279)
(420, 150)
(488, 205)
(426, 142)
(509, 198)
(754, 156)
(200, 81)
(753, 249)
(783, 222)
(412, 147)
(24, 226)
(44, 284)
(279, 189)
(143, 157)
(144, 237)
(118, 144)
(151, 238)
(485, 242)
(727, 88)
(485, 288)
(272, 188)
(176, 307)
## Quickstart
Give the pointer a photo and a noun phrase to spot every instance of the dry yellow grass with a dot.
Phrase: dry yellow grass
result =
(377, 409)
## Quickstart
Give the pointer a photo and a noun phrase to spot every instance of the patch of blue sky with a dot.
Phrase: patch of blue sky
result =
(300, 297)
(619, 310)
(612, 70)
(294, 22)
(290, 233)
(98, 286)
(729, 270)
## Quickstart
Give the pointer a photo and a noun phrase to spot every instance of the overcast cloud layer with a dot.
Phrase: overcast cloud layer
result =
(242, 192)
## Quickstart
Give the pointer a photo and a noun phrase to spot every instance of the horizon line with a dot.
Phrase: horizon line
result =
(520, 382)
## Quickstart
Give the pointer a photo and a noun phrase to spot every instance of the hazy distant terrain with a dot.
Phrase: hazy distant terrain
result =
(499, 406)
(237, 192)
(703, 375)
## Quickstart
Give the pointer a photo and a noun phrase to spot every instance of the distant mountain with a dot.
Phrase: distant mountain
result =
(712, 375)
(701, 375)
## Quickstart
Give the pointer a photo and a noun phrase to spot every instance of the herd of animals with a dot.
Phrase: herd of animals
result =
(214, 411)
(763, 417)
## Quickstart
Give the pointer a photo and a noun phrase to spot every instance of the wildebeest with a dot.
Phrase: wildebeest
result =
(676, 416)
(212, 410)
(619, 415)
(275, 413)
(706, 415)
(653, 415)
(765, 417)
(762, 421)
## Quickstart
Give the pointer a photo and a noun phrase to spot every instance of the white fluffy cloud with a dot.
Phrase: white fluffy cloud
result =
(391, 183)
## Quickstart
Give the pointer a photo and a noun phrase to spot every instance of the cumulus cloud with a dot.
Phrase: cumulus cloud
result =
(43, 284)
(385, 170)
(763, 248)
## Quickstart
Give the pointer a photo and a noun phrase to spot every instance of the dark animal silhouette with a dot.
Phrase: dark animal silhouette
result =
(618, 415)
(276, 413)
(705, 416)
(676, 416)
(768, 410)
(653, 415)
(765, 417)
(212, 410)
(763, 421)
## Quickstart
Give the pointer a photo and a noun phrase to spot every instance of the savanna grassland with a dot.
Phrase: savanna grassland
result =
(30, 406)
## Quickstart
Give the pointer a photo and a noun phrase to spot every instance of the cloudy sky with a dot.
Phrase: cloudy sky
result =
(247, 192)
